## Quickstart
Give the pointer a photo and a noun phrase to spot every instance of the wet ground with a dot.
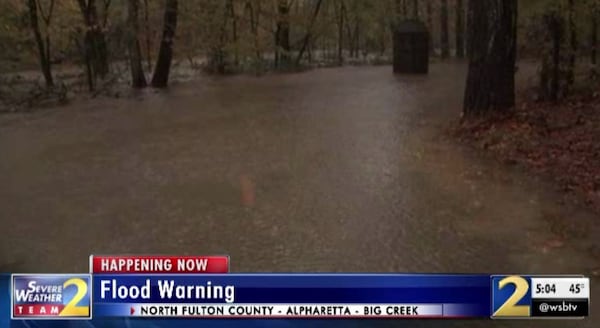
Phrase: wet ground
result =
(344, 169)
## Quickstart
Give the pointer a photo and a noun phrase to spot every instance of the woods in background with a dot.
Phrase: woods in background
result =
(221, 36)
(146, 38)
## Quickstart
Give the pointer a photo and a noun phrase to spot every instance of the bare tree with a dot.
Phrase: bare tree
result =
(43, 43)
(492, 54)
(138, 80)
(160, 79)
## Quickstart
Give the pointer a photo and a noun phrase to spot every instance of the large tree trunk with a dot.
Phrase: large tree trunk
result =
(492, 50)
(162, 69)
(460, 29)
(138, 80)
(445, 40)
(43, 49)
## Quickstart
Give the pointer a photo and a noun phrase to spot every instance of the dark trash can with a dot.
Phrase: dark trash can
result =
(411, 47)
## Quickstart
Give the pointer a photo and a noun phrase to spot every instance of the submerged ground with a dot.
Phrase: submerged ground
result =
(331, 170)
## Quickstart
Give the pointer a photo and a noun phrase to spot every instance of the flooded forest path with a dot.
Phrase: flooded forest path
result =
(342, 169)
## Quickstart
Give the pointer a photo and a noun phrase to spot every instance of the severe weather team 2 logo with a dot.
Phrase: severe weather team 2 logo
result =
(44, 296)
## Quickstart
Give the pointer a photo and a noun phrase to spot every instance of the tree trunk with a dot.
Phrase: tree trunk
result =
(43, 49)
(308, 32)
(138, 80)
(148, 37)
(492, 48)
(556, 28)
(165, 53)
(282, 37)
(429, 10)
(234, 32)
(573, 46)
(550, 72)
(445, 40)
(219, 52)
(356, 37)
(95, 49)
(460, 28)
(594, 36)
(340, 53)
(254, 18)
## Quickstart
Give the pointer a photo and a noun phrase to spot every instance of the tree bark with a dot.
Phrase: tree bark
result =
(460, 29)
(43, 48)
(492, 49)
(138, 80)
(160, 79)
(445, 40)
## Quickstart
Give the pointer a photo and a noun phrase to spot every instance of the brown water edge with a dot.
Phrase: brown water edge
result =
(342, 169)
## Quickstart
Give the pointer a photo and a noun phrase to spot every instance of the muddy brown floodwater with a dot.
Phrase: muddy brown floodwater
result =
(342, 169)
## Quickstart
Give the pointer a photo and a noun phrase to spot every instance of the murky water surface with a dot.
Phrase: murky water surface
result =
(330, 170)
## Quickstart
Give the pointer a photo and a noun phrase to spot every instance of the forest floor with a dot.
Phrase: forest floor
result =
(558, 141)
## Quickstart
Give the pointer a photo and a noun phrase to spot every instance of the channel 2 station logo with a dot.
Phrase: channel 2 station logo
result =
(51, 296)
(519, 296)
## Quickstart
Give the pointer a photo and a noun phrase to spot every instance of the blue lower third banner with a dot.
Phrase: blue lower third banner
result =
(292, 296)
(277, 300)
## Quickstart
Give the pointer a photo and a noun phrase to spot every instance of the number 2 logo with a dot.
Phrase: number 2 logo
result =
(72, 309)
(510, 308)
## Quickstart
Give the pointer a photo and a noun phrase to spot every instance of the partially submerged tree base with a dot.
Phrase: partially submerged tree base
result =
(165, 53)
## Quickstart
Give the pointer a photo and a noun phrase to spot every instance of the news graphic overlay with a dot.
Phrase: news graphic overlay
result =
(51, 296)
(540, 296)
(291, 296)
(158, 264)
